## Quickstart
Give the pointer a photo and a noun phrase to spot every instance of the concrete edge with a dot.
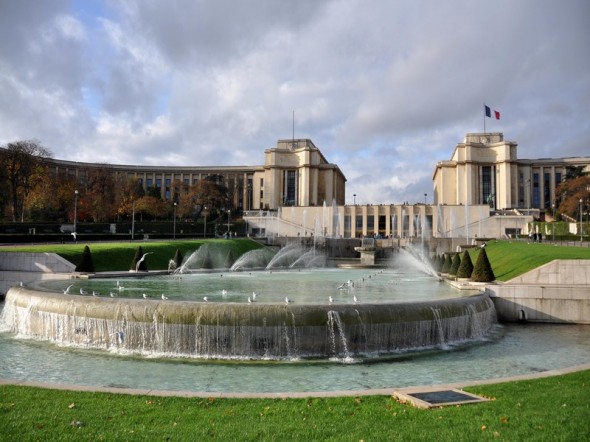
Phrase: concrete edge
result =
(293, 395)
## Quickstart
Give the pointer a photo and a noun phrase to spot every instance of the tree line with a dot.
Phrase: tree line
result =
(32, 191)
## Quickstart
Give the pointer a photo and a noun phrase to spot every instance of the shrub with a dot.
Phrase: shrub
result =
(466, 267)
(455, 264)
(446, 267)
(86, 264)
(178, 258)
(482, 271)
(136, 259)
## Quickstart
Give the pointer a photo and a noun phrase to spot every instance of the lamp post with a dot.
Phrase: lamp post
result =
(132, 220)
(425, 198)
(205, 225)
(553, 227)
(354, 198)
(174, 223)
(75, 212)
(581, 229)
(228, 213)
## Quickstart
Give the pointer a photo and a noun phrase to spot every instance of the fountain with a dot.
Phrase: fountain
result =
(381, 314)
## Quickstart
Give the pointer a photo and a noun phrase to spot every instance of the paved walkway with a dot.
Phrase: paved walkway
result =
(306, 394)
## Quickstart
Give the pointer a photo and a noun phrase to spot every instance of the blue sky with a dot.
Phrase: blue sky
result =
(384, 88)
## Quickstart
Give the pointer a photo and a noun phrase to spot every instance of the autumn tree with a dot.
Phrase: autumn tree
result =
(99, 195)
(570, 192)
(129, 190)
(22, 168)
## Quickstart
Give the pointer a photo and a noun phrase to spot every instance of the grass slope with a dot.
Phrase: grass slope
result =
(555, 408)
(511, 259)
(117, 256)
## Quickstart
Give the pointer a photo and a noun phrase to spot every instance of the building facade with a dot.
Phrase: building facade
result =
(485, 169)
(294, 173)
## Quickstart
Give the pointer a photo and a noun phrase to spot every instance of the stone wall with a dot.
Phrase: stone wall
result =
(17, 267)
(557, 292)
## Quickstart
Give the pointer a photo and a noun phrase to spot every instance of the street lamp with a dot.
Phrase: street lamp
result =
(174, 222)
(581, 229)
(553, 229)
(354, 198)
(75, 212)
(205, 225)
(228, 213)
(425, 199)
(132, 220)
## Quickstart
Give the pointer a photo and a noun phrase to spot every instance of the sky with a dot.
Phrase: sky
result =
(384, 88)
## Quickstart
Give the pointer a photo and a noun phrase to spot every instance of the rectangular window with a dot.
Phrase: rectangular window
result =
(167, 190)
(290, 187)
(149, 183)
(536, 189)
(486, 184)
(370, 224)
(557, 178)
(359, 223)
(520, 190)
(547, 190)
(347, 225)
(382, 220)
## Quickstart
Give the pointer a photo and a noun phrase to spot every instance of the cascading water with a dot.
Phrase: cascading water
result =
(246, 331)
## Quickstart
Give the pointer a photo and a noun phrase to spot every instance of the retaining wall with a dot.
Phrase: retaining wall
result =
(17, 267)
(557, 292)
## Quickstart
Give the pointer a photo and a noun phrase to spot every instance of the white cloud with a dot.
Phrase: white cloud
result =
(386, 89)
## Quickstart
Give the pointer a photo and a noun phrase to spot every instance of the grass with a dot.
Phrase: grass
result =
(511, 259)
(553, 409)
(508, 259)
(117, 256)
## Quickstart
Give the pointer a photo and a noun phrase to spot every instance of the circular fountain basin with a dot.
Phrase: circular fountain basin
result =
(393, 313)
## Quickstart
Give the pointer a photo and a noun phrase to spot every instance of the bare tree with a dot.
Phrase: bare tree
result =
(22, 164)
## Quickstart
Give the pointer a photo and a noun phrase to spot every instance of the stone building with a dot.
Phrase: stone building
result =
(294, 173)
(485, 169)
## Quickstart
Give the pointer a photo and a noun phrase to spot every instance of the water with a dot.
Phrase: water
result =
(515, 350)
(303, 286)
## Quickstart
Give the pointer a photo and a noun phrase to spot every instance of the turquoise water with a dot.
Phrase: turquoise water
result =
(515, 350)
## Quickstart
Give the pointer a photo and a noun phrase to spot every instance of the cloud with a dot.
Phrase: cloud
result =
(385, 89)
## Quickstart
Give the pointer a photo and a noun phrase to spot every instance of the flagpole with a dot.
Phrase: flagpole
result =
(484, 118)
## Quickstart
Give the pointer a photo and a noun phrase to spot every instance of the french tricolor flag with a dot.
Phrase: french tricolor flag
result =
(489, 112)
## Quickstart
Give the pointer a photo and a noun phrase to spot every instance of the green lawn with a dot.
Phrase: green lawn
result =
(511, 259)
(117, 256)
(508, 259)
(549, 409)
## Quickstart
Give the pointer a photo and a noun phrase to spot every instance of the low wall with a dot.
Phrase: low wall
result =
(17, 267)
(557, 292)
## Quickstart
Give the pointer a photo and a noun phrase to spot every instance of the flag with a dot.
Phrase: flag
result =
(489, 112)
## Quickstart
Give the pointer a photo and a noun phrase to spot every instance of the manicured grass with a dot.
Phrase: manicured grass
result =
(552, 409)
(508, 259)
(511, 259)
(117, 256)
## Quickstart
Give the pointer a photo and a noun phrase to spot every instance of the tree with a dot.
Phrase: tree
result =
(482, 271)
(21, 163)
(466, 267)
(99, 197)
(446, 267)
(150, 206)
(570, 192)
(455, 264)
(86, 264)
(178, 259)
(129, 190)
(139, 258)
